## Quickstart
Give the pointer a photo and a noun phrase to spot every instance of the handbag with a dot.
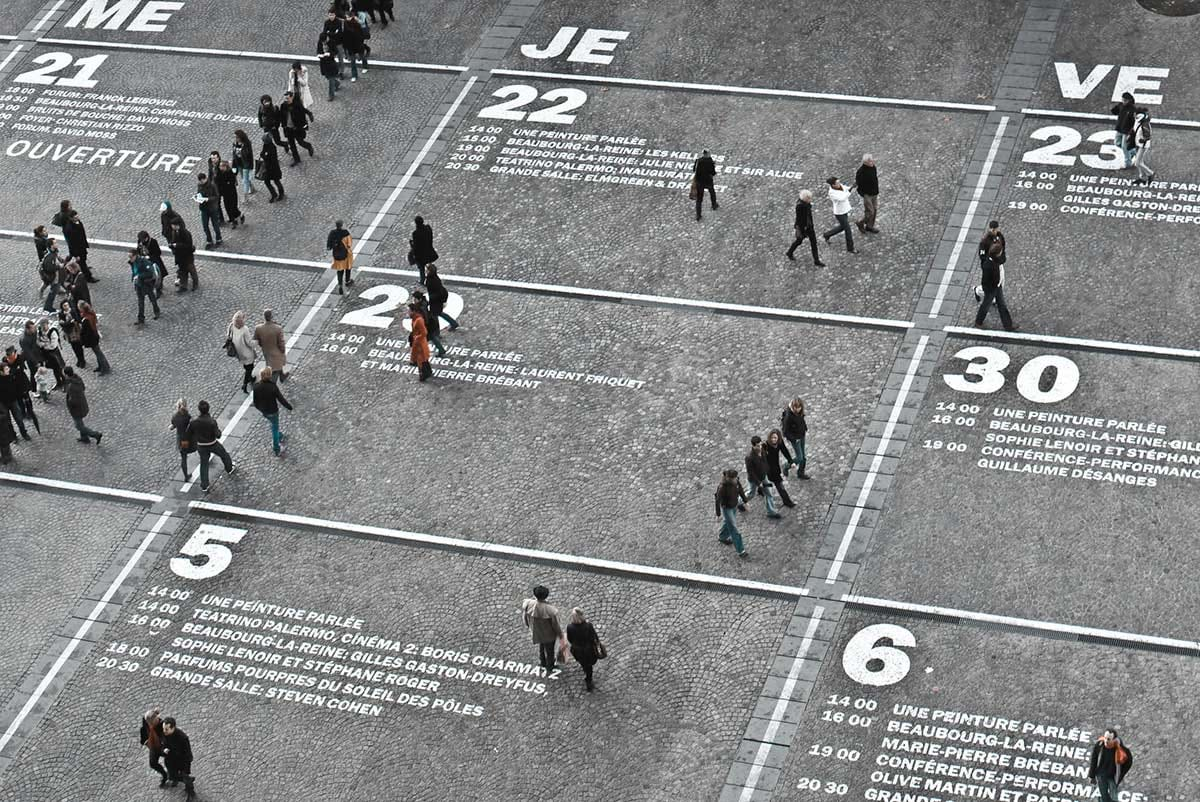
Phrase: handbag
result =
(230, 348)
(563, 655)
(601, 652)
(694, 190)
(260, 170)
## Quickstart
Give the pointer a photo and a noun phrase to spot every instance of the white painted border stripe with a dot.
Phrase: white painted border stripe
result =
(785, 698)
(1106, 118)
(48, 15)
(75, 640)
(877, 460)
(1027, 623)
(748, 90)
(483, 547)
(251, 54)
(968, 220)
(76, 487)
(1079, 342)
(412, 168)
(10, 57)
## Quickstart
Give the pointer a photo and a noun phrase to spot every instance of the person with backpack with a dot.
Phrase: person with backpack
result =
(731, 497)
(341, 245)
(1110, 763)
(144, 276)
(1139, 138)
(149, 247)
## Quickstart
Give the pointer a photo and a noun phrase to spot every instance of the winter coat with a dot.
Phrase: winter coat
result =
(76, 236)
(42, 244)
(268, 117)
(227, 186)
(1125, 116)
(273, 344)
(353, 36)
(89, 330)
(804, 218)
(77, 403)
(269, 157)
(243, 343)
(730, 493)
(438, 295)
(168, 217)
(183, 247)
(7, 435)
(419, 350)
(542, 620)
(178, 750)
(69, 325)
(867, 180)
(295, 121)
(328, 59)
(268, 397)
(705, 170)
(792, 424)
(180, 422)
(297, 83)
(840, 198)
(208, 191)
(772, 453)
(584, 641)
(1104, 762)
(29, 347)
(243, 156)
(421, 243)
(340, 237)
(756, 467)
(203, 430)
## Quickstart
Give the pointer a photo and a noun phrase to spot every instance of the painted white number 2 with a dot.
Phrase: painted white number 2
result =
(522, 95)
(1067, 139)
(56, 62)
(206, 542)
(394, 296)
(863, 651)
(989, 375)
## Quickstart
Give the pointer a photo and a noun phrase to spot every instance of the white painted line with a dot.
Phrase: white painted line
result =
(968, 220)
(749, 90)
(49, 14)
(75, 640)
(1106, 118)
(250, 54)
(1076, 342)
(647, 572)
(76, 487)
(412, 168)
(1026, 623)
(585, 293)
(7, 37)
(877, 460)
(11, 56)
(785, 698)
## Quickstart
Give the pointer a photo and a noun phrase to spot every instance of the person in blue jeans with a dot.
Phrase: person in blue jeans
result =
(731, 497)
(794, 429)
(756, 474)
(267, 399)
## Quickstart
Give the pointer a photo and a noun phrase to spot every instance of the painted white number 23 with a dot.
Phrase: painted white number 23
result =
(523, 94)
(206, 542)
(1063, 138)
(989, 375)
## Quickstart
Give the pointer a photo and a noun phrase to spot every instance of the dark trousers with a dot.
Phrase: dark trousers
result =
(185, 269)
(181, 775)
(712, 197)
(996, 294)
(783, 494)
(86, 433)
(296, 136)
(24, 408)
(546, 652)
(344, 277)
(183, 455)
(247, 375)
(146, 290)
(809, 235)
(210, 217)
(14, 412)
(842, 226)
(421, 273)
(54, 361)
(274, 132)
(101, 361)
(1108, 789)
(156, 764)
(204, 451)
(83, 265)
(231, 207)
(275, 187)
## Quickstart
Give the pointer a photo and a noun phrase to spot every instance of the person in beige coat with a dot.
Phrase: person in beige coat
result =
(542, 620)
(242, 338)
(273, 344)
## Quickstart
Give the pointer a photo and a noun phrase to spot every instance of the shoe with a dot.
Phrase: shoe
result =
(234, 224)
(818, 263)
(804, 476)
(208, 244)
(218, 243)
(340, 290)
(590, 687)
(789, 256)
(98, 438)
(774, 515)
(93, 280)
(861, 227)
(698, 218)
(156, 315)
(203, 489)
(232, 468)
(242, 219)
(162, 783)
(454, 327)
(872, 230)
(851, 250)
(744, 553)
(81, 364)
(272, 199)
(84, 440)
(349, 282)
(353, 80)
(789, 504)
(741, 508)
(723, 540)
(283, 196)
(1012, 328)
(1137, 181)
(979, 325)
(825, 237)
(26, 435)
(244, 390)
(294, 162)
(141, 321)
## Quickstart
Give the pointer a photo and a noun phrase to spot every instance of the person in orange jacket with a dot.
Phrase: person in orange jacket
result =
(419, 341)
(1111, 762)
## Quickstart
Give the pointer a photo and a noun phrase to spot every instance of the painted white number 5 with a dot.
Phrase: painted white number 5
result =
(206, 542)
(56, 62)
(863, 651)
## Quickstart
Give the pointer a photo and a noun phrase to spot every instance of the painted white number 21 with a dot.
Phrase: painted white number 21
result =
(989, 375)
(522, 95)
(57, 62)
(868, 663)
(206, 542)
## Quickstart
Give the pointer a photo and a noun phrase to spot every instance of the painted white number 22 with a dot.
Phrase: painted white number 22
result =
(206, 542)
(863, 652)
(523, 94)
(989, 375)
(56, 62)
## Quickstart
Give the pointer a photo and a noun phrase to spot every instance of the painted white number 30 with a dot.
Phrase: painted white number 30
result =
(989, 375)
(206, 542)
(863, 652)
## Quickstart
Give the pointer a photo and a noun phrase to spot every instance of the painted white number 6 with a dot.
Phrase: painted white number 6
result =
(206, 542)
(864, 648)
(1029, 379)
(55, 62)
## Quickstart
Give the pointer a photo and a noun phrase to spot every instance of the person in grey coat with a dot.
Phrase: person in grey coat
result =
(542, 620)
(77, 406)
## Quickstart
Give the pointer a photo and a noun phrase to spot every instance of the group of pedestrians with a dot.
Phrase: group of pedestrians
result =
(1133, 137)
(164, 741)
(556, 646)
(767, 463)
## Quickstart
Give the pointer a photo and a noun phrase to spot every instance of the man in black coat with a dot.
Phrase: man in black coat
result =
(295, 126)
(705, 171)
(805, 229)
(438, 295)
(991, 288)
(1110, 763)
(866, 181)
(185, 256)
(77, 406)
(178, 750)
(77, 243)
(1125, 111)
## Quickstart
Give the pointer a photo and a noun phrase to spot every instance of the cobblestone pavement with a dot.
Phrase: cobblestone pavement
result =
(988, 567)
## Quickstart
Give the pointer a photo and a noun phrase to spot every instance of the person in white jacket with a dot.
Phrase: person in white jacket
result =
(839, 196)
(298, 86)
(241, 336)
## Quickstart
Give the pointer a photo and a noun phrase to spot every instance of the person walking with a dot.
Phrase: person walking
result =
(794, 427)
(1110, 763)
(242, 338)
(432, 324)
(386, 11)
(68, 324)
(14, 394)
(227, 188)
(756, 475)
(420, 247)
(586, 647)
(53, 272)
(77, 286)
(204, 433)
(331, 33)
(773, 449)
(177, 748)
(267, 398)
(991, 287)
(63, 214)
(354, 42)
(209, 203)
(181, 419)
(243, 160)
(297, 84)
(805, 229)
(49, 343)
(704, 173)
(89, 336)
(77, 243)
(211, 167)
(77, 406)
(268, 170)
(31, 354)
(1139, 138)
(327, 56)
(839, 197)
(144, 276)
(729, 498)
(295, 127)
(1126, 113)
(419, 342)
(152, 738)
(866, 182)
(339, 243)
(167, 216)
(542, 620)
(184, 250)
(272, 343)
(438, 296)
(269, 118)
(7, 435)
(41, 242)
(148, 246)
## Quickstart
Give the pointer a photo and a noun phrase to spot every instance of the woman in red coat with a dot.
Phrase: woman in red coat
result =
(419, 342)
